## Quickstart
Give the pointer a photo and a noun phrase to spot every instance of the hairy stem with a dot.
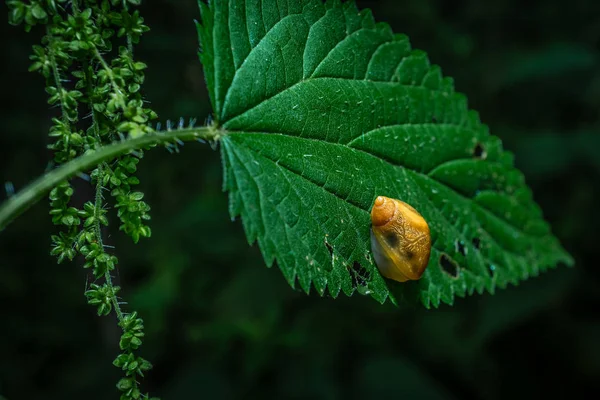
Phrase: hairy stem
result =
(109, 72)
(98, 204)
(31, 194)
(99, 199)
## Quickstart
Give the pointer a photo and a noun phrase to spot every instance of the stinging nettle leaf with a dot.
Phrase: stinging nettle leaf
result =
(323, 110)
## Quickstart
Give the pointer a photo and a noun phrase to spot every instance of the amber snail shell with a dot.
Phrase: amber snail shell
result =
(400, 239)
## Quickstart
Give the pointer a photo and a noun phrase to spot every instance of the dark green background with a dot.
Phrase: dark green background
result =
(219, 324)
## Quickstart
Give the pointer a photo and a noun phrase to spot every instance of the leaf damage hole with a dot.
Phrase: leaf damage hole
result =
(448, 265)
(491, 269)
(476, 243)
(329, 248)
(359, 274)
(479, 151)
(460, 247)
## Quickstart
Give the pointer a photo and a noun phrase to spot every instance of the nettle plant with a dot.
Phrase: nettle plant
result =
(318, 110)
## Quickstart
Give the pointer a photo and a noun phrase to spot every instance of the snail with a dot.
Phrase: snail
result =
(400, 239)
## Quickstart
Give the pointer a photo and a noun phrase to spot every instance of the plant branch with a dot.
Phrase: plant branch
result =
(31, 194)
(98, 204)
(99, 199)
(107, 69)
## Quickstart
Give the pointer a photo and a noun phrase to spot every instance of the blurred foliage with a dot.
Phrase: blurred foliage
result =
(210, 330)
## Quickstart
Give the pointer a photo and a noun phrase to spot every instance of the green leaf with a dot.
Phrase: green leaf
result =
(38, 12)
(125, 384)
(322, 110)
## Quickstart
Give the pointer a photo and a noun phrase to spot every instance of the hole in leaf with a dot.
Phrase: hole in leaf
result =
(449, 265)
(479, 151)
(360, 276)
(460, 247)
(476, 243)
(491, 268)
(329, 248)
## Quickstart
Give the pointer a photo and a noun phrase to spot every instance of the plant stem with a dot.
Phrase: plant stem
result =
(99, 199)
(108, 70)
(129, 40)
(31, 194)
(98, 204)
(56, 74)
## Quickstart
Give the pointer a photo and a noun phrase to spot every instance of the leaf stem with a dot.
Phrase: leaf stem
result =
(31, 194)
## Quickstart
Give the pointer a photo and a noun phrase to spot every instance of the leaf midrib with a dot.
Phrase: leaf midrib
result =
(309, 80)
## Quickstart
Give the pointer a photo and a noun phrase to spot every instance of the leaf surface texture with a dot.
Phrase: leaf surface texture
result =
(324, 110)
